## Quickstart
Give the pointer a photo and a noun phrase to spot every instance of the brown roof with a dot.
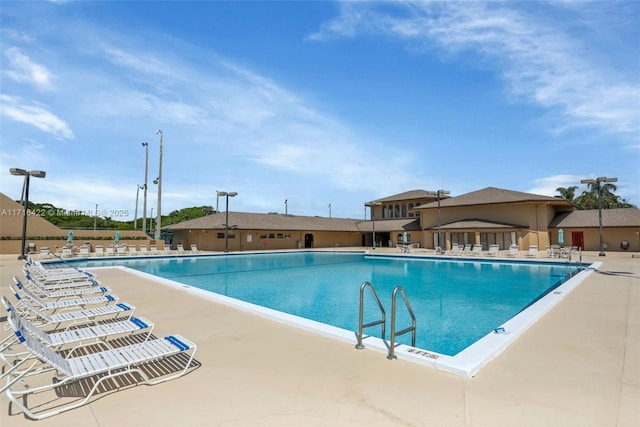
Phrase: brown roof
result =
(409, 195)
(390, 225)
(476, 223)
(624, 217)
(258, 221)
(492, 195)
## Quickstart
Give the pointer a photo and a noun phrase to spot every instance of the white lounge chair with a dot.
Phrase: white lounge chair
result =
(513, 251)
(110, 250)
(81, 336)
(494, 250)
(45, 252)
(455, 249)
(99, 250)
(67, 252)
(60, 282)
(84, 250)
(194, 248)
(466, 250)
(132, 250)
(180, 248)
(57, 304)
(121, 250)
(144, 250)
(167, 249)
(63, 293)
(104, 365)
(533, 251)
(75, 317)
(477, 250)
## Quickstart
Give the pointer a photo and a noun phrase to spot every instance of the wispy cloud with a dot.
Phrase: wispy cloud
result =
(15, 108)
(21, 68)
(541, 62)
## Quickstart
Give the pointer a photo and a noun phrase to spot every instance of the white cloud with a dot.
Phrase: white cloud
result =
(541, 61)
(21, 68)
(14, 108)
(547, 186)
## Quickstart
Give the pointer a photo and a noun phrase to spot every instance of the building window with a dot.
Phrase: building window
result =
(502, 239)
(397, 212)
(410, 207)
(404, 210)
(459, 238)
(263, 236)
(384, 212)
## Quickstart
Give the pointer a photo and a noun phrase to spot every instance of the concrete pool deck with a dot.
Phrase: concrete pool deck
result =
(577, 366)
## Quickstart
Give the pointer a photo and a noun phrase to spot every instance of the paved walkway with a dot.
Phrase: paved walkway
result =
(577, 366)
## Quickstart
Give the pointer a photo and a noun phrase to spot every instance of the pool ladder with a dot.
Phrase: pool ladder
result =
(382, 321)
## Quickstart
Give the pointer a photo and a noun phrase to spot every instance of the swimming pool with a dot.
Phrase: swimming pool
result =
(458, 302)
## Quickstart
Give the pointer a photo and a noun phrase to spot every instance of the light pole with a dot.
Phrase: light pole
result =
(286, 206)
(597, 182)
(373, 221)
(438, 194)
(227, 194)
(329, 210)
(25, 194)
(95, 219)
(135, 217)
(159, 182)
(146, 174)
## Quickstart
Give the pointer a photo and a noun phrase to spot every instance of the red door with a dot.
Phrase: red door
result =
(577, 239)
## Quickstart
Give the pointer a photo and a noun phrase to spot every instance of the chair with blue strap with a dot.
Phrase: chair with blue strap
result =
(99, 366)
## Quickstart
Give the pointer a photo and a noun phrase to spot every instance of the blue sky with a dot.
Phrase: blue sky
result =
(316, 103)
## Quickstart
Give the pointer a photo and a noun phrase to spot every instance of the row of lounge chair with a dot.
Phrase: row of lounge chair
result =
(493, 251)
(115, 250)
(552, 251)
(65, 321)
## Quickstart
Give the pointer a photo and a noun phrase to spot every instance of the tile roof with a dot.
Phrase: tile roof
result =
(492, 195)
(258, 221)
(408, 195)
(476, 223)
(624, 217)
(382, 225)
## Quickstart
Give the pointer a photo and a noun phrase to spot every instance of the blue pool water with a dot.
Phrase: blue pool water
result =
(456, 302)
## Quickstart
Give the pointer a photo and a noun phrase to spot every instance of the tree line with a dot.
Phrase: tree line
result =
(75, 219)
(589, 198)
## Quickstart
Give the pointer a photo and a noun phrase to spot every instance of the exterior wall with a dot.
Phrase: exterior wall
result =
(535, 216)
(208, 240)
(613, 238)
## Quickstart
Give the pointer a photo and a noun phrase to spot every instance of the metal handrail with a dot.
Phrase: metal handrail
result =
(412, 328)
(361, 326)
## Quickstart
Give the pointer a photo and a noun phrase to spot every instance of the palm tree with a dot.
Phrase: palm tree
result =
(568, 193)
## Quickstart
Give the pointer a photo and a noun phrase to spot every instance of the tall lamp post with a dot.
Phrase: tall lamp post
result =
(227, 194)
(597, 182)
(440, 193)
(25, 193)
(146, 174)
(373, 221)
(159, 182)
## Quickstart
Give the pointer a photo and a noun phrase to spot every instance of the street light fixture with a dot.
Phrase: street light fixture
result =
(597, 182)
(159, 182)
(227, 194)
(373, 221)
(25, 193)
(146, 174)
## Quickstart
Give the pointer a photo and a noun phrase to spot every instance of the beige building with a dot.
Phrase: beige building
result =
(487, 216)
